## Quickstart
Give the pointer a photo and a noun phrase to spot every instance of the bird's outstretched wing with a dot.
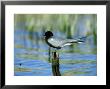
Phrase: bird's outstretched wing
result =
(71, 41)
(57, 42)
(82, 39)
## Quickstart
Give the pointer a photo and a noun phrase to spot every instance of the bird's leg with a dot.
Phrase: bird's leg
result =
(52, 52)
(49, 54)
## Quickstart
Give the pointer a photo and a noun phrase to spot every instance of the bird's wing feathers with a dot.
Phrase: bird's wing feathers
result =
(69, 42)
(57, 42)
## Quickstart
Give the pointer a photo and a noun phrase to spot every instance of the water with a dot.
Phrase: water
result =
(31, 57)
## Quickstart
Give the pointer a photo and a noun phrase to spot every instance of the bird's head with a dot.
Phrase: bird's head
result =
(48, 34)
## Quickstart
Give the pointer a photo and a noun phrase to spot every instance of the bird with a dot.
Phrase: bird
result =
(59, 43)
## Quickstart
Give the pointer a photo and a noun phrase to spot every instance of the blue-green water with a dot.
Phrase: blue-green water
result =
(31, 56)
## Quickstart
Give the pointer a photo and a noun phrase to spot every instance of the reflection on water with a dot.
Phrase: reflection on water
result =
(33, 57)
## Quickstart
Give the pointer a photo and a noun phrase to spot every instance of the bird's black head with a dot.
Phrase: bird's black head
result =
(48, 34)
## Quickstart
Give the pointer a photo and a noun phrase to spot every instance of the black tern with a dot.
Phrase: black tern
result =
(58, 43)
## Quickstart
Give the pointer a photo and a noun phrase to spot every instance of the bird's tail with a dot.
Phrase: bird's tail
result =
(82, 39)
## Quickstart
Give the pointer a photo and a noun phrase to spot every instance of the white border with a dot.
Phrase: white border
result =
(100, 79)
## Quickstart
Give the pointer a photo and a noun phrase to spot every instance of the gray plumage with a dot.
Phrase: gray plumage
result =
(58, 42)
